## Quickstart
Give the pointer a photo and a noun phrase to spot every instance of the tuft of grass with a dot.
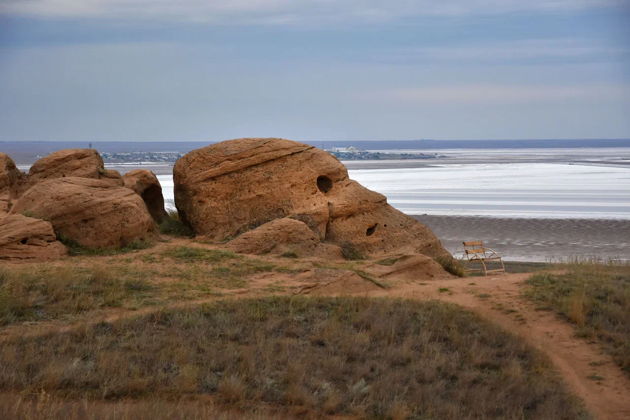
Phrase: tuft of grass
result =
(371, 279)
(233, 275)
(350, 252)
(74, 248)
(451, 265)
(172, 225)
(289, 254)
(595, 297)
(349, 357)
(188, 254)
(526, 266)
(388, 261)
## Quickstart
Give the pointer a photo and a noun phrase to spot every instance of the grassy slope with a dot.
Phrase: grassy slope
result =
(594, 297)
(368, 357)
(41, 291)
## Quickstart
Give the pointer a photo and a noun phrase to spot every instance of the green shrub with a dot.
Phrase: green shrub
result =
(172, 225)
(451, 265)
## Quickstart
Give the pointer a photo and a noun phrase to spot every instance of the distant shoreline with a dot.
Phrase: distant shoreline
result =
(25, 152)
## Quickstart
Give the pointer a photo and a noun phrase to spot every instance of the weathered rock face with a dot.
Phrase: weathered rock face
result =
(84, 163)
(24, 237)
(10, 181)
(283, 235)
(280, 235)
(147, 186)
(91, 212)
(231, 187)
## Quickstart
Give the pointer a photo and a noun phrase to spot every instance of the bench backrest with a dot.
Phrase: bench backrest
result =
(474, 247)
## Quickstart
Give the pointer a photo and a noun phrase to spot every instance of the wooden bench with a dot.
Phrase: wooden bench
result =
(476, 254)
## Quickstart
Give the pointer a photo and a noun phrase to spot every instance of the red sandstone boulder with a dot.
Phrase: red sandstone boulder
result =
(24, 237)
(147, 186)
(283, 236)
(11, 180)
(84, 163)
(228, 188)
(92, 212)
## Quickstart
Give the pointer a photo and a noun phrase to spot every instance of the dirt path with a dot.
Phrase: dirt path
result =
(580, 363)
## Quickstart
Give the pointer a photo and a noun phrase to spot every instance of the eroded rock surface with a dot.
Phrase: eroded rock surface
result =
(147, 186)
(92, 212)
(10, 182)
(232, 187)
(408, 268)
(84, 163)
(282, 236)
(24, 237)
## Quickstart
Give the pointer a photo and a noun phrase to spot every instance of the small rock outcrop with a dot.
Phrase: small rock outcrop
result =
(226, 189)
(408, 268)
(147, 186)
(282, 236)
(84, 163)
(10, 182)
(91, 212)
(24, 237)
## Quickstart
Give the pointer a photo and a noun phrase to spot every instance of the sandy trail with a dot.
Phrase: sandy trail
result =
(587, 370)
(497, 299)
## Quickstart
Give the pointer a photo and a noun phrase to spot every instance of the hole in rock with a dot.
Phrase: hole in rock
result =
(24, 241)
(371, 230)
(324, 183)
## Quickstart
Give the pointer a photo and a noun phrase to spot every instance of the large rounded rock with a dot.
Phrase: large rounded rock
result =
(84, 163)
(24, 237)
(147, 186)
(92, 212)
(11, 180)
(232, 187)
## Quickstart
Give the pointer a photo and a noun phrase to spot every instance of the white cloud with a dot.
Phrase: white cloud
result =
(503, 94)
(285, 11)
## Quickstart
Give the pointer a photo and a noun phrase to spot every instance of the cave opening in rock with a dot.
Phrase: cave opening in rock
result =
(370, 231)
(324, 183)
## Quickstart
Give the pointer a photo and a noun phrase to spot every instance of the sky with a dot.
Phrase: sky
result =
(194, 70)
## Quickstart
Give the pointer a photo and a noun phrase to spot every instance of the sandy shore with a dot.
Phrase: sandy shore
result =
(536, 239)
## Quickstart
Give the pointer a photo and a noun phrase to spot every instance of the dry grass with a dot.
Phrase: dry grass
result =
(596, 298)
(43, 406)
(39, 292)
(370, 358)
(74, 248)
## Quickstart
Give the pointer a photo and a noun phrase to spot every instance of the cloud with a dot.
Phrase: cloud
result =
(503, 94)
(285, 11)
(519, 51)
